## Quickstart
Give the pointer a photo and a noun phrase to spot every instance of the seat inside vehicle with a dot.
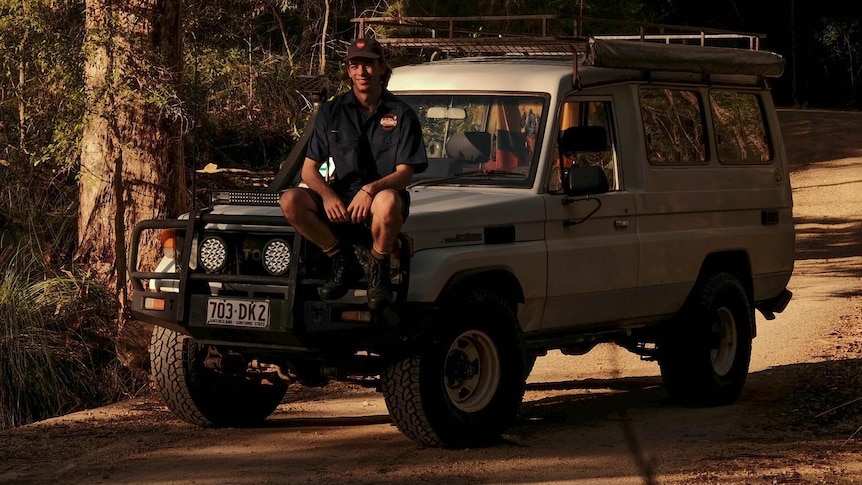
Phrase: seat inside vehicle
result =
(512, 151)
(469, 146)
(465, 151)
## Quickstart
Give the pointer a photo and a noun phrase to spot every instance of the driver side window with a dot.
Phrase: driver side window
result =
(582, 118)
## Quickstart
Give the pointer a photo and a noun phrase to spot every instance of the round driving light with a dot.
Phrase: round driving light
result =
(212, 254)
(276, 257)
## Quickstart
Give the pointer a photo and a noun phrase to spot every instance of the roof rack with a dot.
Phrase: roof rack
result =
(516, 34)
(587, 40)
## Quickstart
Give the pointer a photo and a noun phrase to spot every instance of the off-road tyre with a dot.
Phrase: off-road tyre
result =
(201, 396)
(705, 353)
(464, 385)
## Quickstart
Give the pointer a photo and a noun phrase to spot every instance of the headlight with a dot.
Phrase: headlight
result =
(276, 256)
(212, 254)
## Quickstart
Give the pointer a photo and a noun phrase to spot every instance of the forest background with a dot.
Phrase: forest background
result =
(108, 108)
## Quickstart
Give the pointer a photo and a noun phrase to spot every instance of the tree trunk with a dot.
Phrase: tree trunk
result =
(131, 158)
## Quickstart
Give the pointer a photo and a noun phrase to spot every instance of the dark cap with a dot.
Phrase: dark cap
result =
(367, 48)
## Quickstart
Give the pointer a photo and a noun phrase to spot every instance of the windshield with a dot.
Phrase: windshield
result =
(479, 139)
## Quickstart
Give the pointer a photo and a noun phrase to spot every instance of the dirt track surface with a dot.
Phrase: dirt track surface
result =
(602, 418)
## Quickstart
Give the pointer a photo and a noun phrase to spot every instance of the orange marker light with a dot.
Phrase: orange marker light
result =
(154, 303)
(168, 241)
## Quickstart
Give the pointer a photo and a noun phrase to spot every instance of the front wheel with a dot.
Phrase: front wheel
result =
(705, 354)
(465, 384)
(202, 396)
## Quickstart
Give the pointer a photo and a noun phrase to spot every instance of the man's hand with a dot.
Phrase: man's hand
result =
(334, 208)
(360, 206)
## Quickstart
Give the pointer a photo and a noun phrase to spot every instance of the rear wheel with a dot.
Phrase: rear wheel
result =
(202, 396)
(704, 356)
(464, 386)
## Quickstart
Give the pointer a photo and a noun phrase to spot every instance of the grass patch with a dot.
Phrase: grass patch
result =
(57, 342)
(58, 330)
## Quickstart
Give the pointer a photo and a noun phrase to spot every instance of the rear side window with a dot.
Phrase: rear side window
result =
(740, 130)
(673, 126)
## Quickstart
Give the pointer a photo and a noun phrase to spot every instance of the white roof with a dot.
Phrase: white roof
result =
(555, 74)
(485, 74)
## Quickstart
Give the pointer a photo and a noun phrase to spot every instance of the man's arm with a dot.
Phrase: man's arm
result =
(313, 179)
(335, 209)
(360, 206)
(398, 180)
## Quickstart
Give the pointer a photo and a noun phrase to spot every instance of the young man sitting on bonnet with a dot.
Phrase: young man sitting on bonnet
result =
(375, 142)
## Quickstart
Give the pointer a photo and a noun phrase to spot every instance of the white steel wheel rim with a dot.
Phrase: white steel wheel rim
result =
(724, 355)
(471, 373)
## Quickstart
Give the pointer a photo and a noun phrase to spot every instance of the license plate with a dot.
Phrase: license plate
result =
(238, 313)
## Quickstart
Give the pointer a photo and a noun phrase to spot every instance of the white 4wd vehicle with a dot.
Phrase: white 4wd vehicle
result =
(639, 196)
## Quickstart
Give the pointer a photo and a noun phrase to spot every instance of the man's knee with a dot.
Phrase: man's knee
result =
(387, 201)
(292, 201)
(286, 201)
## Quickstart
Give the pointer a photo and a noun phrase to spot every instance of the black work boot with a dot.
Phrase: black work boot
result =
(379, 284)
(346, 272)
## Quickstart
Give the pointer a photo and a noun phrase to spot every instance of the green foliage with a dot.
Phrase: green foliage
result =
(56, 329)
(56, 342)
(239, 81)
(44, 38)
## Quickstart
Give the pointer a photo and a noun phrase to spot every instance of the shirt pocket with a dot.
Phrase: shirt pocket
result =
(344, 150)
(384, 146)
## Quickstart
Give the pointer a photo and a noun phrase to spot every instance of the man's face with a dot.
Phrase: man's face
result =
(364, 73)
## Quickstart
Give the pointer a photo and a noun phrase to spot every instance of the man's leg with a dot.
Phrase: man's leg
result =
(387, 217)
(303, 208)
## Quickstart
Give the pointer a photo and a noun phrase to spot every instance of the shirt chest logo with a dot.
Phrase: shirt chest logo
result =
(389, 121)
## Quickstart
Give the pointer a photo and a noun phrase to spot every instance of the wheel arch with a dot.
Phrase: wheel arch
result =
(498, 280)
(737, 263)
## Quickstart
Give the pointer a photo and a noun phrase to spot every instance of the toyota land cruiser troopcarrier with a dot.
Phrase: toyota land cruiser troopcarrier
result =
(580, 190)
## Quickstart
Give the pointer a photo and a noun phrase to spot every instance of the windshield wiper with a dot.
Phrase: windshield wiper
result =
(472, 173)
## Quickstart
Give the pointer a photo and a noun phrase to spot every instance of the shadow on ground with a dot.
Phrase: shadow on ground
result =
(581, 425)
(807, 400)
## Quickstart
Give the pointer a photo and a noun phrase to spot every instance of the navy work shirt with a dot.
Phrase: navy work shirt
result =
(365, 149)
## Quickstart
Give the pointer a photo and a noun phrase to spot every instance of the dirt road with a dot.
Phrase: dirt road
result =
(602, 418)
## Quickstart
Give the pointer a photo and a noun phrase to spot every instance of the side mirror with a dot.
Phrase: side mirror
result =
(586, 181)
